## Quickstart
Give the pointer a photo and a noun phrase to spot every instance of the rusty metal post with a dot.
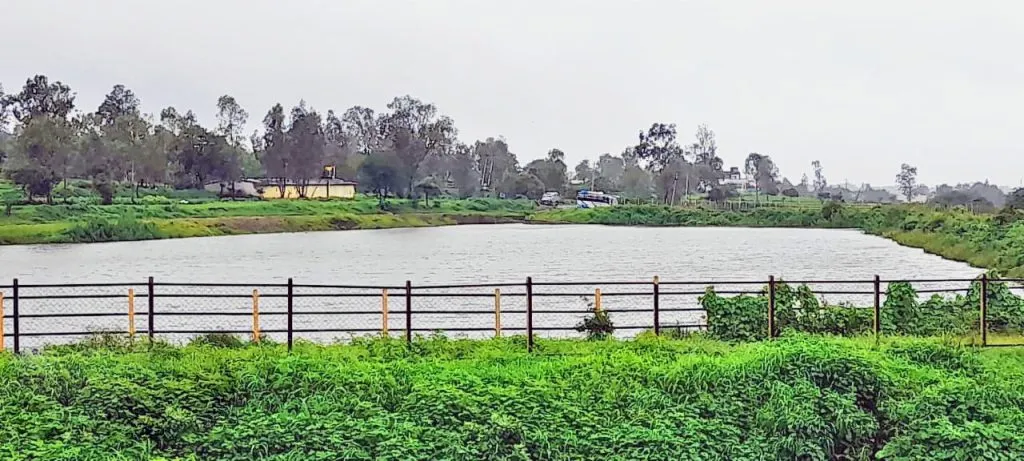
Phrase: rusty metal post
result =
(497, 312)
(657, 307)
(771, 306)
(131, 313)
(255, 315)
(597, 300)
(877, 325)
(408, 312)
(291, 313)
(529, 314)
(16, 321)
(385, 326)
(149, 312)
(984, 310)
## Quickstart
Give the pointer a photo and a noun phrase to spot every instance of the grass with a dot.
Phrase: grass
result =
(799, 397)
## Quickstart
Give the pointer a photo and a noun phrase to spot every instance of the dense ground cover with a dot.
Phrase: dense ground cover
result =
(646, 399)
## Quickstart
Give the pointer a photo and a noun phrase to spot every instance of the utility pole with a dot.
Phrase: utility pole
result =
(675, 179)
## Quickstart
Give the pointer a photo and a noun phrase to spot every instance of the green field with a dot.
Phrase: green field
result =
(800, 397)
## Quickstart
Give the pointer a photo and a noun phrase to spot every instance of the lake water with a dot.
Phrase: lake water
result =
(443, 255)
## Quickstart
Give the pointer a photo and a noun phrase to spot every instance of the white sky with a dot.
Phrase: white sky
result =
(861, 85)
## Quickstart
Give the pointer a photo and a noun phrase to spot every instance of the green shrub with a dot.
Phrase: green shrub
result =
(797, 397)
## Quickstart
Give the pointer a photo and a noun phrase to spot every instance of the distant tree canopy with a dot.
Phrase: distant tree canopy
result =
(409, 149)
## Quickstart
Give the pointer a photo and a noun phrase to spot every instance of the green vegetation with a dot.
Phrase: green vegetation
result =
(166, 218)
(645, 399)
(994, 241)
(798, 310)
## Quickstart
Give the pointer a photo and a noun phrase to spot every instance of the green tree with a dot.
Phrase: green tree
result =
(906, 181)
(120, 102)
(43, 148)
(379, 174)
(306, 144)
(40, 98)
(658, 146)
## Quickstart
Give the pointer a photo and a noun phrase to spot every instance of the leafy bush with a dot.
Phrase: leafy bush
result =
(598, 325)
(649, 399)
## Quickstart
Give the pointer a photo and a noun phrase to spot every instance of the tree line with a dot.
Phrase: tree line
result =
(407, 149)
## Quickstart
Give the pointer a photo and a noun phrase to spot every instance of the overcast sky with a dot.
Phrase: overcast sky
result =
(861, 85)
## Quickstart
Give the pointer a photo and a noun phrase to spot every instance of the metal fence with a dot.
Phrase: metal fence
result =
(39, 314)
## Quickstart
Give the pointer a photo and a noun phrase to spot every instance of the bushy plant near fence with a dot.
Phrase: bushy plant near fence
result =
(647, 399)
(745, 317)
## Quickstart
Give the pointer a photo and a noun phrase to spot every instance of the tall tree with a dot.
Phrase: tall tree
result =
(906, 181)
(495, 163)
(306, 146)
(43, 149)
(360, 123)
(764, 171)
(610, 169)
(39, 98)
(551, 170)
(658, 146)
(463, 171)
(820, 183)
(275, 154)
(120, 102)
(231, 119)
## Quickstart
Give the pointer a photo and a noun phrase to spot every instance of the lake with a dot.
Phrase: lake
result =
(446, 255)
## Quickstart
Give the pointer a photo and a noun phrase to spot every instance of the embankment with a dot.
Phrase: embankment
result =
(989, 241)
(649, 399)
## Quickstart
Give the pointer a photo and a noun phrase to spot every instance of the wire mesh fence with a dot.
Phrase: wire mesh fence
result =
(38, 315)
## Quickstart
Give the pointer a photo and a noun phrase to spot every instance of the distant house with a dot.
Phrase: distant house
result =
(314, 188)
(734, 178)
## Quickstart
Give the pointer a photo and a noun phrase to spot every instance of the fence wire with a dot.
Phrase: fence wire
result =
(50, 314)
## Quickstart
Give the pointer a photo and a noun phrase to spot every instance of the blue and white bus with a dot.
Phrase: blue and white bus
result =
(593, 199)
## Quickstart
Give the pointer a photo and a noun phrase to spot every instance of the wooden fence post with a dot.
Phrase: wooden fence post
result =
(497, 312)
(131, 314)
(771, 306)
(255, 315)
(657, 308)
(385, 326)
(597, 300)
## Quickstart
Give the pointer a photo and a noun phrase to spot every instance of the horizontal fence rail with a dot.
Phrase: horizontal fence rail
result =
(35, 315)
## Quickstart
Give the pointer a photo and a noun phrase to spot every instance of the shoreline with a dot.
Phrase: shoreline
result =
(947, 245)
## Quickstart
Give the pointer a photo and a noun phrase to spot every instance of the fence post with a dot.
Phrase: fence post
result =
(497, 312)
(657, 308)
(984, 310)
(131, 314)
(408, 312)
(149, 310)
(529, 314)
(291, 311)
(385, 327)
(2, 322)
(877, 326)
(255, 315)
(16, 321)
(597, 300)
(771, 306)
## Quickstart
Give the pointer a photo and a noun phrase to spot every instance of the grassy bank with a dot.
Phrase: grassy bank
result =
(96, 223)
(990, 241)
(647, 399)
